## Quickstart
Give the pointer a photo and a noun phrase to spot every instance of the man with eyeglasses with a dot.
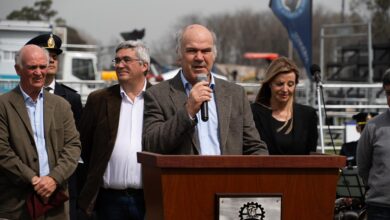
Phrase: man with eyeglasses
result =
(373, 153)
(111, 131)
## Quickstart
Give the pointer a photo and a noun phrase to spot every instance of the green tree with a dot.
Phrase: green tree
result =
(41, 11)
(376, 11)
(245, 31)
(26, 13)
(44, 9)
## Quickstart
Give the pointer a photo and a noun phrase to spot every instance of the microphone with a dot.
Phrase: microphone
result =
(204, 108)
(315, 71)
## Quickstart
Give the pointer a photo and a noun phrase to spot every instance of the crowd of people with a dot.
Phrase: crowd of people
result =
(51, 148)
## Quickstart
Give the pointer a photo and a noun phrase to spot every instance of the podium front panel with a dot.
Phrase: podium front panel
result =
(172, 191)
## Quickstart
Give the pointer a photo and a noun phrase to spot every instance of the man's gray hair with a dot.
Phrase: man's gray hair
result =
(19, 53)
(141, 50)
(179, 40)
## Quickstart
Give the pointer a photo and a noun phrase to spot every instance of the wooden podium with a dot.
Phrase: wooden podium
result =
(186, 187)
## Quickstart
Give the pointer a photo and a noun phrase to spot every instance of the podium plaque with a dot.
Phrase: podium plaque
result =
(187, 186)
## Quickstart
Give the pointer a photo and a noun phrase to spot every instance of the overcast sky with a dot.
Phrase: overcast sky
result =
(104, 20)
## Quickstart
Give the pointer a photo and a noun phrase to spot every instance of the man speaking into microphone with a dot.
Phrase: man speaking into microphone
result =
(196, 113)
(204, 108)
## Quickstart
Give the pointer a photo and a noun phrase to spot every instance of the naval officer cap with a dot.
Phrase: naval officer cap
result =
(49, 41)
(361, 118)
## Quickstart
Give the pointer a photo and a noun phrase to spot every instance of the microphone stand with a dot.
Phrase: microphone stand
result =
(320, 96)
(317, 78)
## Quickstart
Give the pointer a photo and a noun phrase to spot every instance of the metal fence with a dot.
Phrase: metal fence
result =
(341, 102)
(83, 87)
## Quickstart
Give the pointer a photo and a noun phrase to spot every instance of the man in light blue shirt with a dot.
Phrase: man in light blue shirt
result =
(172, 122)
(39, 143)
(207, 130)
(35, 113)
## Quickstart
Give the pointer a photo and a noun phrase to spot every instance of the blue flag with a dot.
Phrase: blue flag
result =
(295, 15)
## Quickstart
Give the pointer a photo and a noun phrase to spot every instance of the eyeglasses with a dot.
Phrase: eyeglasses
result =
(126, 60)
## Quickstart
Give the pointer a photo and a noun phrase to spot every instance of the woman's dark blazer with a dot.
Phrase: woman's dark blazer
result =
(304, 131)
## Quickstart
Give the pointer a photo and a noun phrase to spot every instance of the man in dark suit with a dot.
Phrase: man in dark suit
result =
(349, 149)
(52, 43)
(111, 133)
(172, 119)
(39, 143)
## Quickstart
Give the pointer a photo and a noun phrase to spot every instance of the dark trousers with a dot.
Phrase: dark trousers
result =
(75, 183)
(73, 191)
(120, 204)
(378, 213)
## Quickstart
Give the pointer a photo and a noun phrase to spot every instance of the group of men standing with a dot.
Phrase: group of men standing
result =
(44, 137)
(40, 145)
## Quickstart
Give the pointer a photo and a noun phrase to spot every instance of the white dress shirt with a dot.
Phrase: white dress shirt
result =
(52, 86)
(122, 170)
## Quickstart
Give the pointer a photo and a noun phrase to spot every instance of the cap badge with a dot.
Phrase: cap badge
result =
(51, 43)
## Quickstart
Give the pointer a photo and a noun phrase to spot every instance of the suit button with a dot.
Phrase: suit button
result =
(35, 159)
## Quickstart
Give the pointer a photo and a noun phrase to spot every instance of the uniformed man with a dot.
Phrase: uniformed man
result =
(53, 44)
(349, 149)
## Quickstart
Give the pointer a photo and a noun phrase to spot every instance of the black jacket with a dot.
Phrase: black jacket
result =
(304, 131)
(72, 97)
(349, 150)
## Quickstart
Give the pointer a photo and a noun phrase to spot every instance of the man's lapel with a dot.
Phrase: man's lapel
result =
(17, 102)
(177, 94)
(223, 102)
(179, 98)
(59, 90)
(48, 112)
(113, 101)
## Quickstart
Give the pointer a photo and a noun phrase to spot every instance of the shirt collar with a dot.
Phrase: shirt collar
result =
(52, 85)
(188, 85)
(123, 93)
(27, 97)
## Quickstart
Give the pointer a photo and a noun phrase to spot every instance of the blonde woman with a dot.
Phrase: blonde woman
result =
(287, 127)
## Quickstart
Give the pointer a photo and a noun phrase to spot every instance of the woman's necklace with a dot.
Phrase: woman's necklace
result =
(289, 129)
(287, 122)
